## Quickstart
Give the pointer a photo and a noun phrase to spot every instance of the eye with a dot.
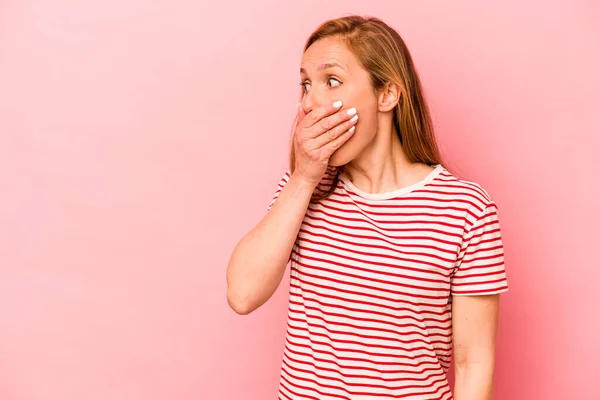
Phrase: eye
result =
(303, 84)
(335, 80)
(336, 83)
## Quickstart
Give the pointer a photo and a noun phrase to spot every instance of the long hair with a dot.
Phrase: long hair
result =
(382, 53)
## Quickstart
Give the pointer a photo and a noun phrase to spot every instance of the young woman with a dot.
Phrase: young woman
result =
(395, 262)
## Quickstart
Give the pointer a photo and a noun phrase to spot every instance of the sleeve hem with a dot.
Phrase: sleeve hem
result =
(480, 292)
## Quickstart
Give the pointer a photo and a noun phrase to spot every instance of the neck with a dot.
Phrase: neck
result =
(383, 166)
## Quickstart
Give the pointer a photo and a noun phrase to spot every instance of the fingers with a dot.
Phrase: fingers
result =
(323, 130)
(331, 122)
(318, 113)
(337, 131)
(338, 142)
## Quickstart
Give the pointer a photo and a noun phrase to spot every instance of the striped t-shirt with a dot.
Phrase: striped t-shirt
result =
(371, 283)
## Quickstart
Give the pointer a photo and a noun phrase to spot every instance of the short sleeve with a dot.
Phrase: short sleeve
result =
(480, 265)
(284, 179)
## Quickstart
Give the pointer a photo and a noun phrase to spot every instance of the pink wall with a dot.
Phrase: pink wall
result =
(139, 140)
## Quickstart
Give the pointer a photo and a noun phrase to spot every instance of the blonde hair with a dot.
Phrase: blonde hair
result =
(383, 54)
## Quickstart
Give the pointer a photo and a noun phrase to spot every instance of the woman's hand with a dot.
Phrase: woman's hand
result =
(317, 135)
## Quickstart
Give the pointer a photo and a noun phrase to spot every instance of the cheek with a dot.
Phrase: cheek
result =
(366, 105)
(366, 128)
(367, 120)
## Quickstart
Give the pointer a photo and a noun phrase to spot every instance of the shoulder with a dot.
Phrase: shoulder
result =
(469, 191)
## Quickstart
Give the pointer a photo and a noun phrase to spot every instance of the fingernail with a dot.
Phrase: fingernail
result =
(337, 104)
(353, 119)
(352, 111)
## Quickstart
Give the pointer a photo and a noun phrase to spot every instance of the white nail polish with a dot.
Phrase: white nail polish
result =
(352, 111)
(353, 119)
(337, 104)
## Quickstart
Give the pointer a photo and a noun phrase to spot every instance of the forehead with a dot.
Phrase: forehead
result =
(327, 51)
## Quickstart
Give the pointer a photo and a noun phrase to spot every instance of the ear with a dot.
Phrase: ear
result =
(388, 97)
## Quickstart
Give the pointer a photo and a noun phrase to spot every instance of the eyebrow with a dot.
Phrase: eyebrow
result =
(325, 66)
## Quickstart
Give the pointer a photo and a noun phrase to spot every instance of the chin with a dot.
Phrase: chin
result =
(348, 152)
(341, 156)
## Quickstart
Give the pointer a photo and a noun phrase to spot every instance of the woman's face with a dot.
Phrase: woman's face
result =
(345, 80)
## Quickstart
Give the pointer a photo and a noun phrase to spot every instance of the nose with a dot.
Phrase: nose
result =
(307, 103)
(312, 100)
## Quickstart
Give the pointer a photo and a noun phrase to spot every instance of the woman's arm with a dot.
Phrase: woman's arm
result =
(259, 260)
(474, 326)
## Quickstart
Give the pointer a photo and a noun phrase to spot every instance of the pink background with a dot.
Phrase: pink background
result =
(139, 140)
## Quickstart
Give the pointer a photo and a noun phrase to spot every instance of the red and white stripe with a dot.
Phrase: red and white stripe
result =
(371, 282)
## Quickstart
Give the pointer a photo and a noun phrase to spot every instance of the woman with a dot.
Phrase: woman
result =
(395, 262)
